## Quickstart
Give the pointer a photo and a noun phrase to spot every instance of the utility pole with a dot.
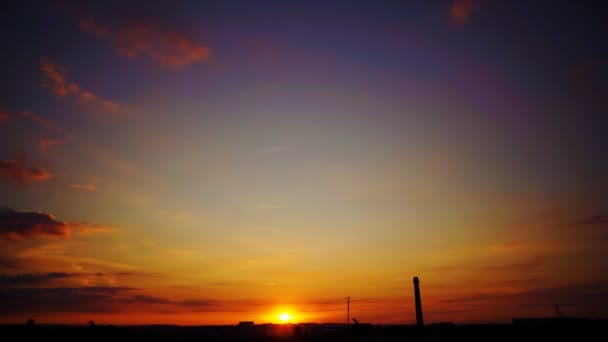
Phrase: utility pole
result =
(347, 312)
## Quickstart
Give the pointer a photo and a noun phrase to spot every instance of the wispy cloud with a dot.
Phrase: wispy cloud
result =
(522, 266)
(46, 123)
(92, 299)
(504, 246)
(33, 278)
(85, 187)
(62, 299)
(45, 143)
(587, 298)
(90, 26)
(597, 220)
(57, 81)
(16, 170)
(12, 263)
(461, 11)
(86, 230)
(166, 47)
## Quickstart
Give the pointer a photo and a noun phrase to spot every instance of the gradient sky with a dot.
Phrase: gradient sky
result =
(195, 162)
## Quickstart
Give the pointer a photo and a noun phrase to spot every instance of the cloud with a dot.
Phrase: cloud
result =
(504, 246)
(61, 299)
(151, 299)
(583, 293)
(16, 225)
(57, 81)
(85, 187)
(15, 170)
(88, 25)
(3, 116)
(516, 266)
(33, 278)
(45, 143)
(94, 299)
(169, 48)
(461, 11)
(597, 220)
(86, 230)
(46, 123)
(23, 224)
(13, 263)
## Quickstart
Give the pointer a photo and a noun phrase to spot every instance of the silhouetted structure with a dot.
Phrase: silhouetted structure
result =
(419, 321)
(361, 329)
(559, 313)
(347, 312)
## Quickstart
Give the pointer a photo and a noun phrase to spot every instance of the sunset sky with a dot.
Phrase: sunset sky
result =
(194, 162)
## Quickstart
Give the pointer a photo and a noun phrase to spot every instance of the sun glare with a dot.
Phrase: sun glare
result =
(285, 317)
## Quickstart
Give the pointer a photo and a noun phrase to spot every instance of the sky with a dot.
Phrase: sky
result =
(199, 162)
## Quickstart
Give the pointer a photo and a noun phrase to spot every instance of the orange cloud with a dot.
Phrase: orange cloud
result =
(88, 25)
(16, 171)
(461, 11)
(57, 81)
(86, 187)
(90, 230)
(504, 246)
(45, 144)
(169, 48)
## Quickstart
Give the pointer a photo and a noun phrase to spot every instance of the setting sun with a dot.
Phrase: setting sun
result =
(285, 317)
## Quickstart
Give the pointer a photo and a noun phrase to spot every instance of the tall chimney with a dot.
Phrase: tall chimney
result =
(419, 321)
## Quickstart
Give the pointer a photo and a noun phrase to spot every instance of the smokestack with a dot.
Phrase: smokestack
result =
(419, 321)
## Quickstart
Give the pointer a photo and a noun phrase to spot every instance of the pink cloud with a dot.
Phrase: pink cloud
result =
(45, 144)
(46, 123)
(57, 81)
(461, 11)
(55, 76)
(86, 187)
(15, 170)
(169, 48)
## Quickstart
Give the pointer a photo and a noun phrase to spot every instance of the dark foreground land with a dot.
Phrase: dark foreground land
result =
(523, 330)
